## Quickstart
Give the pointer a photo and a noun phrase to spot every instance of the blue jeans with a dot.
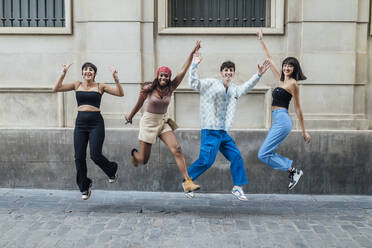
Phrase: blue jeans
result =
(281, 127)
(213, 141)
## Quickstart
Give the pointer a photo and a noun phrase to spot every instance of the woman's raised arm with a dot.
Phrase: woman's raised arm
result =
(118, 91)
(59, 87)
(178, 79)
(268, 56)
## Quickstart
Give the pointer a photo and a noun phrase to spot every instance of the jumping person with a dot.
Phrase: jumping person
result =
(89, 125)
(155, 122)
(290, 73)
(218, 99)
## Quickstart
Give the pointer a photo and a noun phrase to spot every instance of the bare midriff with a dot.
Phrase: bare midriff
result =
(277, 107)
(88, 108)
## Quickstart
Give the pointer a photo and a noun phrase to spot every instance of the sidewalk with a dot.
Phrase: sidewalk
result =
(53, 218)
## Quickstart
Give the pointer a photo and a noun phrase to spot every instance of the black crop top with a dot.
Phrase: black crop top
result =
(281, 97)
(92, 98)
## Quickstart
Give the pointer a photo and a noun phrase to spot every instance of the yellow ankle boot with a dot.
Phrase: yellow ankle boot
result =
(189, 185)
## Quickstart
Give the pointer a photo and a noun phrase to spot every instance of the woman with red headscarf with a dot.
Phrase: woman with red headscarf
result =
(155, 122)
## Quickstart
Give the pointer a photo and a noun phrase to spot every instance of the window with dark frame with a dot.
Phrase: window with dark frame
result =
(218, 13)
(32, 13)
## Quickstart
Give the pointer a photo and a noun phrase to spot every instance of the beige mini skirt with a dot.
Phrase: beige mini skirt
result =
(153, 125)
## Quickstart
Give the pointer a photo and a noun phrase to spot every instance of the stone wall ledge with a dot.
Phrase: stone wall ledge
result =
(336, 162)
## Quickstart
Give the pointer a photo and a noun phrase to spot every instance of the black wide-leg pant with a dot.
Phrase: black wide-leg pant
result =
(89, 126)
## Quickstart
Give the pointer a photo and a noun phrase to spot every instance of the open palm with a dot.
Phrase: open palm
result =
(260, 34)
(263, 68)
(197, 46)
(197, 58)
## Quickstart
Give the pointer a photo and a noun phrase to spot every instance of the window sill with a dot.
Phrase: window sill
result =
(222, 30)
(34, 30)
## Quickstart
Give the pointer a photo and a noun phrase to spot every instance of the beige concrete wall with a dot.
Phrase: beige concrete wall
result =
(332, 46)
(112, 32)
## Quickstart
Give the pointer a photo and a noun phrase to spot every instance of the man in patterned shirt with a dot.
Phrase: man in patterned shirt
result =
(218, 99)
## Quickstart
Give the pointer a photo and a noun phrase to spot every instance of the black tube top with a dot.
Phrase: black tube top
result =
(281, 97)
(92, 98)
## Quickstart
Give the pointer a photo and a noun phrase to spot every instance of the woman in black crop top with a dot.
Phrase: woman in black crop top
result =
(290, 73)
(89, 125)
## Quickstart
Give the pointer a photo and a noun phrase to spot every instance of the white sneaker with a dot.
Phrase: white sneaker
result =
(239, 193)
(189, 194)
(115, 177)
(86, 194)
(294, 177)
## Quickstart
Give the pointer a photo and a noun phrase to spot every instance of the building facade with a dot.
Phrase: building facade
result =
(137, 36)
(331, 38)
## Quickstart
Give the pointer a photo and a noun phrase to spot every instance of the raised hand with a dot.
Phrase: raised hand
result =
(197, 57)
(306, 137)
(66, 67)
(114, 72)
(197, 46)
(263, 68)
(260, 34)
(58, 87)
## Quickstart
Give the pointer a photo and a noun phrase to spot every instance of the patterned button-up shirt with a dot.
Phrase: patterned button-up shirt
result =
(217, 106)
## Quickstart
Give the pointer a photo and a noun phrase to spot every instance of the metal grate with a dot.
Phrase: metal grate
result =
(217, 13)
(32, 13)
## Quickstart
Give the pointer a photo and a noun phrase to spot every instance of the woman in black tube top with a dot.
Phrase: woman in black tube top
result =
(89, 125)
(288, 76)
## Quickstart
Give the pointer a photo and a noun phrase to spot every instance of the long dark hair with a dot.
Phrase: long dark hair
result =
(297, 72)
(149, 87)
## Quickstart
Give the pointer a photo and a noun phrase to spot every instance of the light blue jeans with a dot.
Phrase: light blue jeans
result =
(281, 127)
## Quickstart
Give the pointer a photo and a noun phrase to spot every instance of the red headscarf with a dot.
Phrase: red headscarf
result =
(164, 69)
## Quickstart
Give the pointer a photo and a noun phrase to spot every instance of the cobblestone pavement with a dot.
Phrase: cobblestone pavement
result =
(53, 218)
